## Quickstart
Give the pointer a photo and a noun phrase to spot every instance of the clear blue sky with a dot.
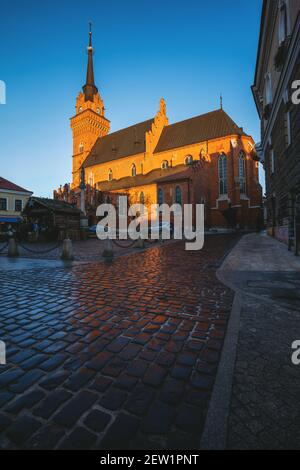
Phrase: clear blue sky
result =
(186, 51)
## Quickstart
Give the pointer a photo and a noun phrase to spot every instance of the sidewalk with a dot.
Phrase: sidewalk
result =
(257, 389)
(259, 252)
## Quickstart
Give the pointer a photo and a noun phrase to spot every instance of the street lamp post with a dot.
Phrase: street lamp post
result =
(82, 191)
(82, 186)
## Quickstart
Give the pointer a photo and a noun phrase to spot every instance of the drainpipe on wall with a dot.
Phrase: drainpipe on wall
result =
(295, 236)
(291, 220)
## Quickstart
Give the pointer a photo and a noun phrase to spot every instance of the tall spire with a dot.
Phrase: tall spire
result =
(90, 89)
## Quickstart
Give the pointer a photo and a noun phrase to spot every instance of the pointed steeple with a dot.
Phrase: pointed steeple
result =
(90, 89)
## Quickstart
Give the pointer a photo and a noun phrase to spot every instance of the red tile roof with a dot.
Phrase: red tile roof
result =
(201, 128)
(131, 141)
(8, 185)
(119, 144)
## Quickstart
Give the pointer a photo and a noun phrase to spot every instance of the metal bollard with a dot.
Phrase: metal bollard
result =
(108, 251)
(67, 251)
(13, 251)
(140, 243)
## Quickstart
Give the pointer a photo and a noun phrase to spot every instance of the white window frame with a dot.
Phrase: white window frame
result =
(6, 198)
(110, 175)
(164, 165)
(223, 183)
(22, 204)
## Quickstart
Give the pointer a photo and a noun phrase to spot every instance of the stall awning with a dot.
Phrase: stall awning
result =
(10, 220)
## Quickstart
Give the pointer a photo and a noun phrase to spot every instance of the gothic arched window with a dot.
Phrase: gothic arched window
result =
(142, 198)
(242, 173)
(202, 154)
(188, 160)
(133, 170)
(160, 196)
(222, 174)
(178, 195)
(164, 165)
(81, 147)
(110, 175)
(91, 179)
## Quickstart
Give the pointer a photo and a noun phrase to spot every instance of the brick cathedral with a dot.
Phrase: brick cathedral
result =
(205, 159)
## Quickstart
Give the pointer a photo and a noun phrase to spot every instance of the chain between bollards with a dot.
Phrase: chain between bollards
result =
(67, 251)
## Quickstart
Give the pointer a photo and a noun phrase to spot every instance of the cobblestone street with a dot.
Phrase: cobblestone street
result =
(120, 355)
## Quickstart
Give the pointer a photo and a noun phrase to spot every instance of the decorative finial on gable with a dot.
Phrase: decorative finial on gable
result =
(221, 101)
(162, 106)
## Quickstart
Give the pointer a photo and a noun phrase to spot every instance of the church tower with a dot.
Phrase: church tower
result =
(89, 122)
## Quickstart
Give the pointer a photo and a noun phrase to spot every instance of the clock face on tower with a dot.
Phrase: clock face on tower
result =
(98, 110)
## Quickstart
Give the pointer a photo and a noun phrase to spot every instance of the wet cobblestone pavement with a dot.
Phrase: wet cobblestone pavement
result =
(112, 356)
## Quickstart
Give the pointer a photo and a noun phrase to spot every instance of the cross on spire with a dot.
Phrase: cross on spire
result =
(90, 34)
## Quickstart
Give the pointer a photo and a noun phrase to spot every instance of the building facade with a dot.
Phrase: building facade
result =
(206, 159)
(13, 200)
(276, 92)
